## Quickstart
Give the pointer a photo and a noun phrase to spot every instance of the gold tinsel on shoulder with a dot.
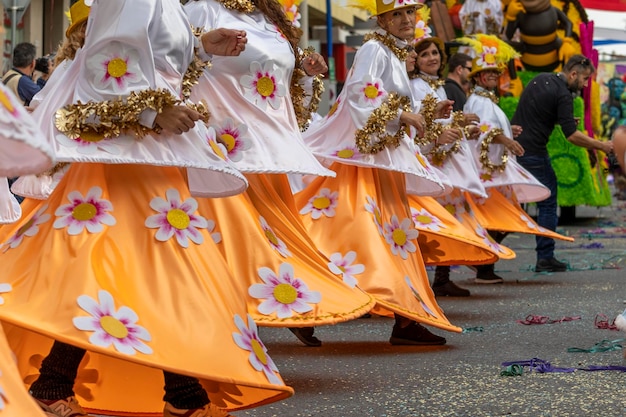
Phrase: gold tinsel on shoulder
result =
(390, 42)
(489, 166)
(434, 83)
(373, 137)
(487, 94)
(114, 117)
(303, 113)
(243, 6)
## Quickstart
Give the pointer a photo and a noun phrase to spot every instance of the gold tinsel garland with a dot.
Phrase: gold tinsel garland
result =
(390, 42)
(243, 6)
(438, 153)
(303, 113)
(58, 167)
(111, 118)
(484, 152)
(195, 69)
(487, 94)
(377, 125)
(434, 83)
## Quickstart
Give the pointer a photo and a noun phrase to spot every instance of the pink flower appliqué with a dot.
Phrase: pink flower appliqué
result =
(283, 292)
(90, 212)
(176, 218)
(249, 340)
(346, 267)
(111, 327)
(323, 203)
(400, 235)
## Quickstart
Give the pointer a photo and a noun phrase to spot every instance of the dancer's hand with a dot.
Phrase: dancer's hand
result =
(314, 64)
(226, 42)
(177, 119)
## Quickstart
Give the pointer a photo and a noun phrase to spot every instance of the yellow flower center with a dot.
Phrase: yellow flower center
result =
(178, 219)
(424, 219)
(490, 59)
(258, 351)
(265, 86)
(218, 151)
(84, 212)
(341, 268)
(91, 136)
(484, 128)
(399, 237)
(117, 67)
(285, 293)
(419, 33)
(228, 140)
(378, 216)
(371, 91)
(321, 203)
(451, 209)
(345, 153)
(24, 228)
(290, 16)
(271, 237)
(333, 109)
(114, 327)
(4, 100)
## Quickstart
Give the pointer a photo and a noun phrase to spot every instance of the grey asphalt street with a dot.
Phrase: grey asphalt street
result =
(356, 372)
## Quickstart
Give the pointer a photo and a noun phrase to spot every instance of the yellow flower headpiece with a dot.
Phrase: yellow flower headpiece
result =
(490, 53)
(291, 9)
(78, 13)
(378, 7)
(423, 30)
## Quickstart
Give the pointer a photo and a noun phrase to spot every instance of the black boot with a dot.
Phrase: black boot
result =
(409, 332)
(485, 274)
(305, 335)
(442, 286)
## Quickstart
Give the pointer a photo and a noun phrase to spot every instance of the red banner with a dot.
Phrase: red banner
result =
(612, 5)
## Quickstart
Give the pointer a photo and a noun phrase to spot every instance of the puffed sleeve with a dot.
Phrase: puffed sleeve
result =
(366, 90)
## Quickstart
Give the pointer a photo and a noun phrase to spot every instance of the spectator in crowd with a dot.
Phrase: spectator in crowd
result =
(548, 99)
(19, 78)
(457, 82)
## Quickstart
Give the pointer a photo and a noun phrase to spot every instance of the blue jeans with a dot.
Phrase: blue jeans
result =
(541, 168)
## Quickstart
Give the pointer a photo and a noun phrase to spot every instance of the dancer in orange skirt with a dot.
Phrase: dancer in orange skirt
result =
(256, 104)
(361, 218)
(116, 274)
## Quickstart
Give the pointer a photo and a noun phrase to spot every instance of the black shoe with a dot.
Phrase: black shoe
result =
(414, 334)
(485, 274)
(305, 335)
(550, 265)
(450, 289)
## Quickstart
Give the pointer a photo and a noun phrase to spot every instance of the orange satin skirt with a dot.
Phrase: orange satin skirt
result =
(362, 220)
(284, 279)
(119, 261)
(503, 213)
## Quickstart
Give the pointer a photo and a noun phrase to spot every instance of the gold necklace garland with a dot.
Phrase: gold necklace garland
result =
(489, 166)
(434, 83)
(303, 113)
(243, 6)
(195, 68)
(377, 123)
(438, 153)
(112, 117)
(390, 42)
(487, 94)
